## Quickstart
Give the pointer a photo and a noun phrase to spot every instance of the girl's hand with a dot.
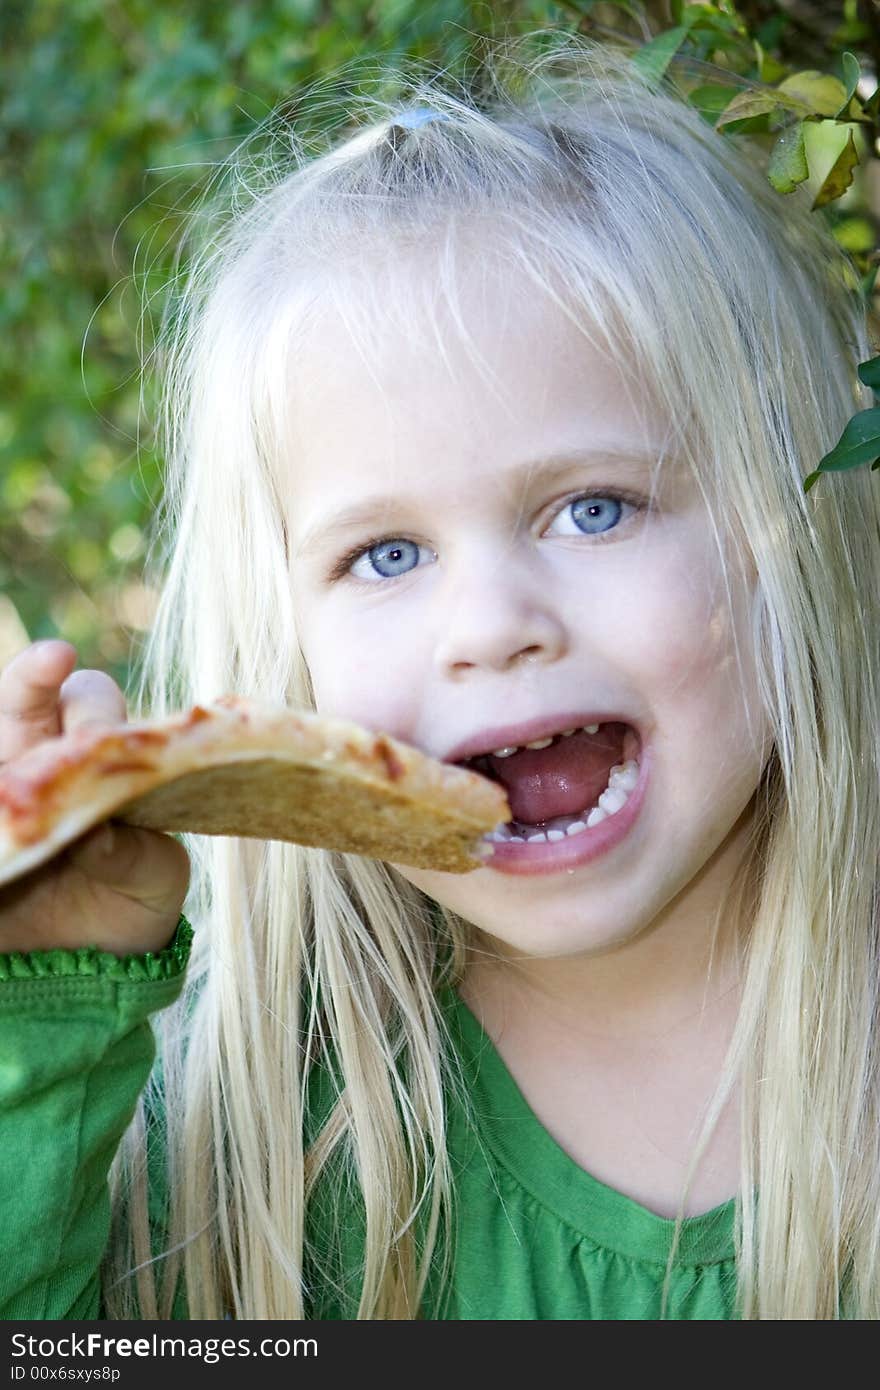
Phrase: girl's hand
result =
(119, 888)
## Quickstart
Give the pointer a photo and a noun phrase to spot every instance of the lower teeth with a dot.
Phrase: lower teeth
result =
(621, 781)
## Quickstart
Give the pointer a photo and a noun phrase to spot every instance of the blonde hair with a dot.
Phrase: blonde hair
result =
(739, 312)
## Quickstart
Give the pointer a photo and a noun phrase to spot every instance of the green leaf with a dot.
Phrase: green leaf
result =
(840, 175)
(820, 91)
(851, 76)
(855, 234)
(869, 372)
(788, 160)
(653, 58)
(859, 443)
(746, 104)
(760, 101)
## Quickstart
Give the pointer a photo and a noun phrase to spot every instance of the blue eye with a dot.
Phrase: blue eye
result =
(391, 558)
(596, 513)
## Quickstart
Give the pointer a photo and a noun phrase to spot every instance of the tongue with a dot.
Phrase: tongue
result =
(566, 778)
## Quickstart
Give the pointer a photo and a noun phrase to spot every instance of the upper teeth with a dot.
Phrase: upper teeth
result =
(540, 742)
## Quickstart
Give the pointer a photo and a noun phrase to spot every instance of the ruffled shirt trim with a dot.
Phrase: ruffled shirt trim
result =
(60, 962)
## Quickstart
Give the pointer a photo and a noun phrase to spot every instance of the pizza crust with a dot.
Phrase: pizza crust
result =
(240, 768)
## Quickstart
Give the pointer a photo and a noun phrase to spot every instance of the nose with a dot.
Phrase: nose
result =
(497, 623)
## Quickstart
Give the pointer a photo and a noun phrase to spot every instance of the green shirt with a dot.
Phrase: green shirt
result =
(536, 1237)
(540, 1238)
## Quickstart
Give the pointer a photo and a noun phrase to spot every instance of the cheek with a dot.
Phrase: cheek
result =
(665, 631)
(360, 667)
(684, 625)
(697, 658)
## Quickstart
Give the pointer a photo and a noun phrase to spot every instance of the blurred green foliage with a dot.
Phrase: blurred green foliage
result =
(113, 115)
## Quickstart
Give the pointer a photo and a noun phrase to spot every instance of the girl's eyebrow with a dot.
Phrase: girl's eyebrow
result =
(370, 510)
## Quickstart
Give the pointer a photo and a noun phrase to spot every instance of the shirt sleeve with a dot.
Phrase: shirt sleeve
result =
(76, 1049)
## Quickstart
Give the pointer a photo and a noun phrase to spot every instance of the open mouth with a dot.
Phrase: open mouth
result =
(563, 784)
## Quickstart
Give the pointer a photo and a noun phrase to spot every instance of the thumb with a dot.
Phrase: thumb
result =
(145, 865)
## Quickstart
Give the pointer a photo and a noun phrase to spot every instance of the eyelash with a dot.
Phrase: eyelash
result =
(342, 567)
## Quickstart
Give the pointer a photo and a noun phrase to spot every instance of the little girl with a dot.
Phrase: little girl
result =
(486, 427)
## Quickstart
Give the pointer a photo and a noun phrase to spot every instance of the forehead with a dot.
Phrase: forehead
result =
(397, 385)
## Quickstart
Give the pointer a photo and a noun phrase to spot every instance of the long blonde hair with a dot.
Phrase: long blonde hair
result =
(737, 309)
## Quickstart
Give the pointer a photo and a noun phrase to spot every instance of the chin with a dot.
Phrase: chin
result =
(550, 936)
(555, 944)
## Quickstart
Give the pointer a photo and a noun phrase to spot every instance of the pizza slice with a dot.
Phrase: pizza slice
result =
(241, 768)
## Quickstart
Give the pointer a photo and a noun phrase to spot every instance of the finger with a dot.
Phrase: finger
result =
(29, 692)
(90, 697)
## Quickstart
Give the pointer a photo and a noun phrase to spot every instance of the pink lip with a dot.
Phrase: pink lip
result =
(515, 735)
(557, 856)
